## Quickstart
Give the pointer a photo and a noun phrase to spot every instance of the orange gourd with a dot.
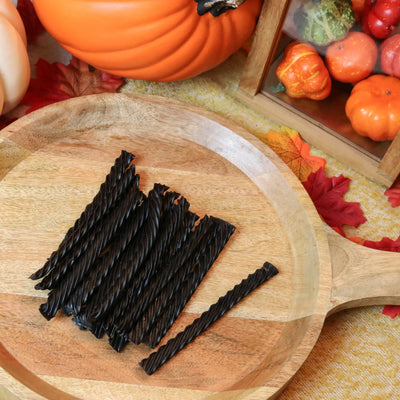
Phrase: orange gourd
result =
(373, 107)
(303, 72)
(161, 40)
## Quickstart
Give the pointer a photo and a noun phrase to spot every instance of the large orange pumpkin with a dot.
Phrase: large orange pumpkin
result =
(162, 40)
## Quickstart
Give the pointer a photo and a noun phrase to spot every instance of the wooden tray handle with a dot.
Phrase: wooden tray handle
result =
(362, 276)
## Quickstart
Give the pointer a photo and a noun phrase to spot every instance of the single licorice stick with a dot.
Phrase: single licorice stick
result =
(167, 313)
(168, 271)
(111, 290)
(199, 325)
(116, 182)
(169, 228)
(96, 240)
(59, 295)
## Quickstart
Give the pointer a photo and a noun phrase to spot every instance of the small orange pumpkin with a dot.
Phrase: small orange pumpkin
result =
(160, 40)
(303, 72)
(373, 107)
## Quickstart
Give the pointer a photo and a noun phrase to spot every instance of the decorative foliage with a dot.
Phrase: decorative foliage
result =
(393, 194)
(384, 244)
(327, 195)
(56, 82)
(391, 311)
(293, 151)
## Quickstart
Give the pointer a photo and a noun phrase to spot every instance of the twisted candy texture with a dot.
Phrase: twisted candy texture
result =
(199, 325)
(111, 189)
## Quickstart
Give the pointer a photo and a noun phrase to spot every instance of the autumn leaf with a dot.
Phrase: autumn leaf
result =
(56, 82)
(293, 151)
(4, 122)
(384, 244)
(393, 193)
(31, 22)
(391, 311)
(327, 196)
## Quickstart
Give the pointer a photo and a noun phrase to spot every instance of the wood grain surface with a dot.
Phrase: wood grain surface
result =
(52, 163)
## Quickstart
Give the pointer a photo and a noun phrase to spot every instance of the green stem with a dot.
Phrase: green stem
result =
(280, 87)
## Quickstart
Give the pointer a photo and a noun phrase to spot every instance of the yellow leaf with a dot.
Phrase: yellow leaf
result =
(289, 146)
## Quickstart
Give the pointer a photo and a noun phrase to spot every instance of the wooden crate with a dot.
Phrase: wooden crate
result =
(322, 124)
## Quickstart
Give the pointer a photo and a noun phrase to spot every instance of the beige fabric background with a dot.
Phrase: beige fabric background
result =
(357, 354)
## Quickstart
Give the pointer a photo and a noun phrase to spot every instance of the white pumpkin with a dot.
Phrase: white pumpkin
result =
(14, 61)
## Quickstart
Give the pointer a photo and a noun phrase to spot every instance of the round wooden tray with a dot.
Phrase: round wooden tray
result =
(52, 163)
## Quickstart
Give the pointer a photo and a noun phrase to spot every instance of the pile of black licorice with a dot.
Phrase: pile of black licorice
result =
(131, 261)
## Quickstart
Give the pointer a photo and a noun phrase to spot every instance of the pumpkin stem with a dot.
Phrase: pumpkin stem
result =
(217, 7)
(280, 87)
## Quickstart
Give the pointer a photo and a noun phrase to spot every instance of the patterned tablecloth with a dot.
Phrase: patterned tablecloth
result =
(356, 356)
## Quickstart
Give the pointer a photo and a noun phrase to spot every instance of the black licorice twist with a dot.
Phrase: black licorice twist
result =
(58, 296)
(114, 185)
(167, 273)
(170, 223)
(199, 325)
(113, 288)
(177, 292)
(169, 312)
(96, 240)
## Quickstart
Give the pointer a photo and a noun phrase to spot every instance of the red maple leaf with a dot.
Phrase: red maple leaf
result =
(393, 193)
(327, 196)
(384, 244)
(391, 311)
(29, 17)
(56, 82)
(4, 122)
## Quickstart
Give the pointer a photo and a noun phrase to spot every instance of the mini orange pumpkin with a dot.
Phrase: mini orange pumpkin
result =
(303, 72)
(373, 107)
(161, 40)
